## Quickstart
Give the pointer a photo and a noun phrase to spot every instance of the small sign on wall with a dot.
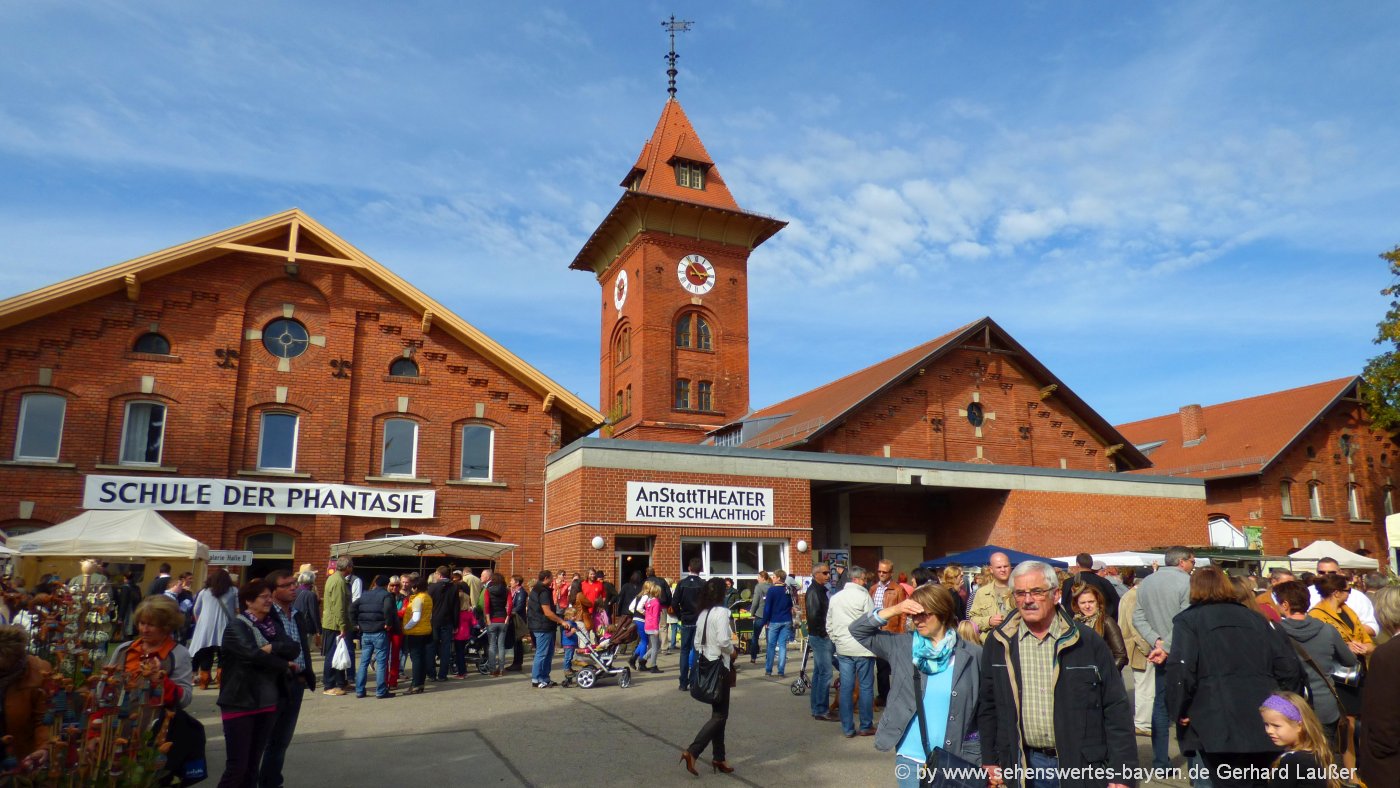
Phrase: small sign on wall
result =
(663, 502)
(230, 557)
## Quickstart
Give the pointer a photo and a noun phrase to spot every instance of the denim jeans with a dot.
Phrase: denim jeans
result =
(821, 674)
(373, 646)
(641, 649)
(284, 724)
(779, 633)
(416, 646)
(1161, 726)
(1046, 770)
(459, 658)
(442, 648)
(907, 772)
(855, 669)
(544, 656)
(753, 640)
(687, 655)
(496, 651)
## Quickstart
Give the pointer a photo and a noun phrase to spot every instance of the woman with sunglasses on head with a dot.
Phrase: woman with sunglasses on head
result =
(933, 671)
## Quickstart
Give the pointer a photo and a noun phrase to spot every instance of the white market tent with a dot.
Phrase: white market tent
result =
(133, 533)
(1131, 558)
(1325, 549)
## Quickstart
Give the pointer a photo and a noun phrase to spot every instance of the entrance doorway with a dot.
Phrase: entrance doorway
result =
(633, 555)
(271, 550)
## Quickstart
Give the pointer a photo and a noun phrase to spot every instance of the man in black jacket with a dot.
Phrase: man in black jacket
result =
(1051, 697)
(685, 605)
(446, 608)
(374, 617)
(294, 624)
(816, 604)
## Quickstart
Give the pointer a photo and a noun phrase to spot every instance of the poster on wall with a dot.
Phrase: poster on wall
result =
(830, 557)
(707, 504)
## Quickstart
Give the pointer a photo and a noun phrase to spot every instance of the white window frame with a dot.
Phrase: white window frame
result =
(126, 423)
(1389, 502)
(384, 451)
(262, 434)
(1353, 502)
(1315, 500)
(19, 433)
(490, 455)
(1285, 489)
(783, 557)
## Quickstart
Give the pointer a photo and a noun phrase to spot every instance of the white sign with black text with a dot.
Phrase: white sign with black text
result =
(230, 557)
(175, 494)
(661, 502)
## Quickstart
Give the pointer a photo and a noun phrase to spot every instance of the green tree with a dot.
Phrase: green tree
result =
(1382, 375)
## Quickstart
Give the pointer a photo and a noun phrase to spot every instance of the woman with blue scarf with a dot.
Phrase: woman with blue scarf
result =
(929, 665)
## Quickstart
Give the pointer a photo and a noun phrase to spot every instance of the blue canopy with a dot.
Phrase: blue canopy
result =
(982, 555)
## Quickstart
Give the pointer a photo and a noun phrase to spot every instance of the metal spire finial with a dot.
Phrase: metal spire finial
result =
(673, 26)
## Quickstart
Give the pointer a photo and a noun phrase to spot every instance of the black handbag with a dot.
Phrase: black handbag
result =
(707, 679)
(185, 763)
(942, 769)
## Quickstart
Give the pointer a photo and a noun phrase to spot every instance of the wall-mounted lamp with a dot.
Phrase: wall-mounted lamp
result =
(801, 545)
(598, 543)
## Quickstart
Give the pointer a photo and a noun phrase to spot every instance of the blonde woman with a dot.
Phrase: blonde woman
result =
(651, 626)
(952, 579)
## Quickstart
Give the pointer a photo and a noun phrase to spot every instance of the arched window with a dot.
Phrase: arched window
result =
(1315, 500)
(400, 455)
(1354, 501)
(617, 404)
(693, 331)
(623, 351)
(478, 443)
(704, 396)
(627, 400)
(271, 550)
(1285, 497)
(404, 368)
(277, 442)
(1388, 501)
(40, 427)
(152, 343)
(682, 394)
(143, 433)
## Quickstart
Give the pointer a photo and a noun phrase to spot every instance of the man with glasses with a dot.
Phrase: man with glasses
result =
(1162, 595)
(297, 626)
(820, 643)
(1356, 598)
(886, 592)
(1051, 698)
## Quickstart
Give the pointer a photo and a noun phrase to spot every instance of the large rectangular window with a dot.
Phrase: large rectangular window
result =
(143, 433)
(400, 448)
(277, 442)
(40, 427)
(705, 398)
(682, 394)
(740, 561)
(477, 445)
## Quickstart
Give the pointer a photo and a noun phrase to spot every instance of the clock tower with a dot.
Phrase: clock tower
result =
(672, 259)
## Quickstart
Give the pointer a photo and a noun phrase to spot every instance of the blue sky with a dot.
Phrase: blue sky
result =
(1167, 203)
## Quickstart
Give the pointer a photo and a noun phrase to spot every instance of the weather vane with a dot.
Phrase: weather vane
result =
(673, 26)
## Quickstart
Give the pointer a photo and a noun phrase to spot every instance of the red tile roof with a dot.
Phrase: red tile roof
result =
(674, 138)
(806, 416)
(1241, 437)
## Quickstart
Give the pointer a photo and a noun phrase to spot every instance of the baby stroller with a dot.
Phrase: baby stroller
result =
(478, 651)
(801, 684)
(599, 656)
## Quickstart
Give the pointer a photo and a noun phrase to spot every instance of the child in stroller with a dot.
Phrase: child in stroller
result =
(596, 655)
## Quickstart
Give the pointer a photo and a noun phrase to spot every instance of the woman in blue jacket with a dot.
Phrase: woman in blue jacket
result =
(929, 665)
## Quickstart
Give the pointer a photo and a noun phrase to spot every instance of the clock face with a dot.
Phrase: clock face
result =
(696, 274)
(620, 290)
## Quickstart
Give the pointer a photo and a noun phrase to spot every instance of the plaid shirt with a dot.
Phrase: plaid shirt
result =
(289, 624)
(1037, 658)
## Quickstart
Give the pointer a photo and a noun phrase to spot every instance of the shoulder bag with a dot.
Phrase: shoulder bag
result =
(942, 769)
(708, 677)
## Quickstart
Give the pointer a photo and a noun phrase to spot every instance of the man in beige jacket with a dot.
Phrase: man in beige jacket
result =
(1144, 682)
(992, 602)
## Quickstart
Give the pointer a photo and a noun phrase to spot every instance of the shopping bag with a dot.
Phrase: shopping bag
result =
(340, 660)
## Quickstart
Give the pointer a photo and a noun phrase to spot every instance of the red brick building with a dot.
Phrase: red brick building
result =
(961, 441)
(273, 353)
(1302, 464)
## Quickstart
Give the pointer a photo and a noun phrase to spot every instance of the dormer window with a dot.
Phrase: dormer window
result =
(690, 175)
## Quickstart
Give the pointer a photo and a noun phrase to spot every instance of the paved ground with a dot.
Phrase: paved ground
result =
(503, 732)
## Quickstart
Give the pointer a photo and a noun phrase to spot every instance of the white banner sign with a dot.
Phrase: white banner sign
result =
(231, 557)
(257, 497)
(660, 502)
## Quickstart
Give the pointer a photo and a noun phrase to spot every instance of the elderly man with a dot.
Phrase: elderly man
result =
(886, 592)
(1051, 700)
(854, 661)
(1356, 598)
(336, 623)
(992, 602)
(1163, 594)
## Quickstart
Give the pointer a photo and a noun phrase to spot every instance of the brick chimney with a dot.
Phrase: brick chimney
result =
(1193, 424)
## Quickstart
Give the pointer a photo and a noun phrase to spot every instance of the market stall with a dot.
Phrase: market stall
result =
(134, 536)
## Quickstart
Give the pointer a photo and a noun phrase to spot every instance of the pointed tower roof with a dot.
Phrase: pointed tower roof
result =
(655, 199)
(675, 141)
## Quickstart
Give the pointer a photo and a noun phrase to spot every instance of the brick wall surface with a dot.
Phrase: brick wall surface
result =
(341, 391)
